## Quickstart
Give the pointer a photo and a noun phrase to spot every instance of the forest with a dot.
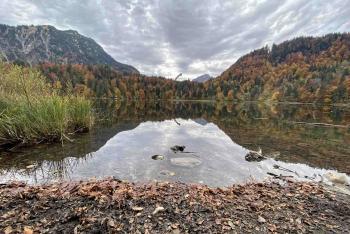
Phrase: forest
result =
(102, 81)
(305, 69)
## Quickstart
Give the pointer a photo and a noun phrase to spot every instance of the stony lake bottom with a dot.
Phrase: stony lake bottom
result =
(135, 142)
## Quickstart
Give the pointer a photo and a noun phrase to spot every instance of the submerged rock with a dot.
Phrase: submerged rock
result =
(254, 156)
(177, 148)
(157, 157)
(167, 173)
(186, 162)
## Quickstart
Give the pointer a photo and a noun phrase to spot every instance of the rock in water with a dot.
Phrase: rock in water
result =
(177, 148)
(157, 157)
(167, 173)
(254, 156)
(186, 162)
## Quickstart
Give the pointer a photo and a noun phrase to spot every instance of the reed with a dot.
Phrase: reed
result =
(31, 111)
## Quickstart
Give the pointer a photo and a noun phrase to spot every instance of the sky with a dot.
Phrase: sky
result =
(193, 37)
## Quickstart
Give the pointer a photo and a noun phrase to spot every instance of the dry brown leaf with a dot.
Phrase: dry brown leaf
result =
(8, 230)
(28, 230)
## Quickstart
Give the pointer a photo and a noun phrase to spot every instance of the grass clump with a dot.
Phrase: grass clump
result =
(31, 111)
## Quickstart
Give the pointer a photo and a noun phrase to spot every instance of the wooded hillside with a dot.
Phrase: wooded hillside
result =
(305, 69)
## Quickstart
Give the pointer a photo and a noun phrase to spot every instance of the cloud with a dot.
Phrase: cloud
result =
(166, 37)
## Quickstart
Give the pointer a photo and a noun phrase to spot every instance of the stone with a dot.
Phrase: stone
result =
(261, 219)
(254, 156)
(157, 157)
(167, 173)
(177, 148)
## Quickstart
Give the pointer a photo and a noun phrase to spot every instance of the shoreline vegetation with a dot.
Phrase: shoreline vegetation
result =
(111, 206)
(32, 112)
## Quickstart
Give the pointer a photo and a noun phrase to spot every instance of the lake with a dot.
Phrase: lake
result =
(301, 141)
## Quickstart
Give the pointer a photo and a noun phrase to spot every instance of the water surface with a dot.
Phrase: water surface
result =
(216, 137)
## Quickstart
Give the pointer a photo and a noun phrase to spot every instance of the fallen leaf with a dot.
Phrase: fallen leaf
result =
(111, 223)
(231, 224)
(28, 230)
(137, 208)
(200, 221)
(8, 230)
(158, 209)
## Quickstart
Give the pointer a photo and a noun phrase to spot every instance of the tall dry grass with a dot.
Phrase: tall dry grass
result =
(32, 112)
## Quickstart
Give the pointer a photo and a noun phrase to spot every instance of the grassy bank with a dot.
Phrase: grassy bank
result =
(31, 111)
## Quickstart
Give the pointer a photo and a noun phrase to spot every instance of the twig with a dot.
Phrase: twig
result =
(281, 177)
(177, 122)
(285, 169)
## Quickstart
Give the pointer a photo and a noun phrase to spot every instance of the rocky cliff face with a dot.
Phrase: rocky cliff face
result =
(35, 44)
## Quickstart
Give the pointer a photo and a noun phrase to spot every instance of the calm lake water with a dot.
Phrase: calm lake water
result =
(216, 138)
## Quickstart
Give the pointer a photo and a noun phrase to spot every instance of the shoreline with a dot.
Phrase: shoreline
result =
(111, 205)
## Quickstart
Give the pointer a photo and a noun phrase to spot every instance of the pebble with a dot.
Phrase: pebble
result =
(261, 219)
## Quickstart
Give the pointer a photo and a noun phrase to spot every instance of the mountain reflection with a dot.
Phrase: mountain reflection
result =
(218, 135)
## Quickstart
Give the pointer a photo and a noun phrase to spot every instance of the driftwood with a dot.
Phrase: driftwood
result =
(177, 122)
(285, 169)
(281, 177)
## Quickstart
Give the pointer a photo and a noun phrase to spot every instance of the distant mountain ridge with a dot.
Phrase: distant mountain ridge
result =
(45, 43)
(202, 78)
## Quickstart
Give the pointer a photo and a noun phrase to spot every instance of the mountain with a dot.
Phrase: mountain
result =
(37, 44)
(202, 78)
(304, 69)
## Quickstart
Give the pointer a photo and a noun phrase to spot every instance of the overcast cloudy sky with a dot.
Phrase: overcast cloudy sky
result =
(165, 37)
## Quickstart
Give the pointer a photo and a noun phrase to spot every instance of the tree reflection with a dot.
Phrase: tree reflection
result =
(274, 128)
